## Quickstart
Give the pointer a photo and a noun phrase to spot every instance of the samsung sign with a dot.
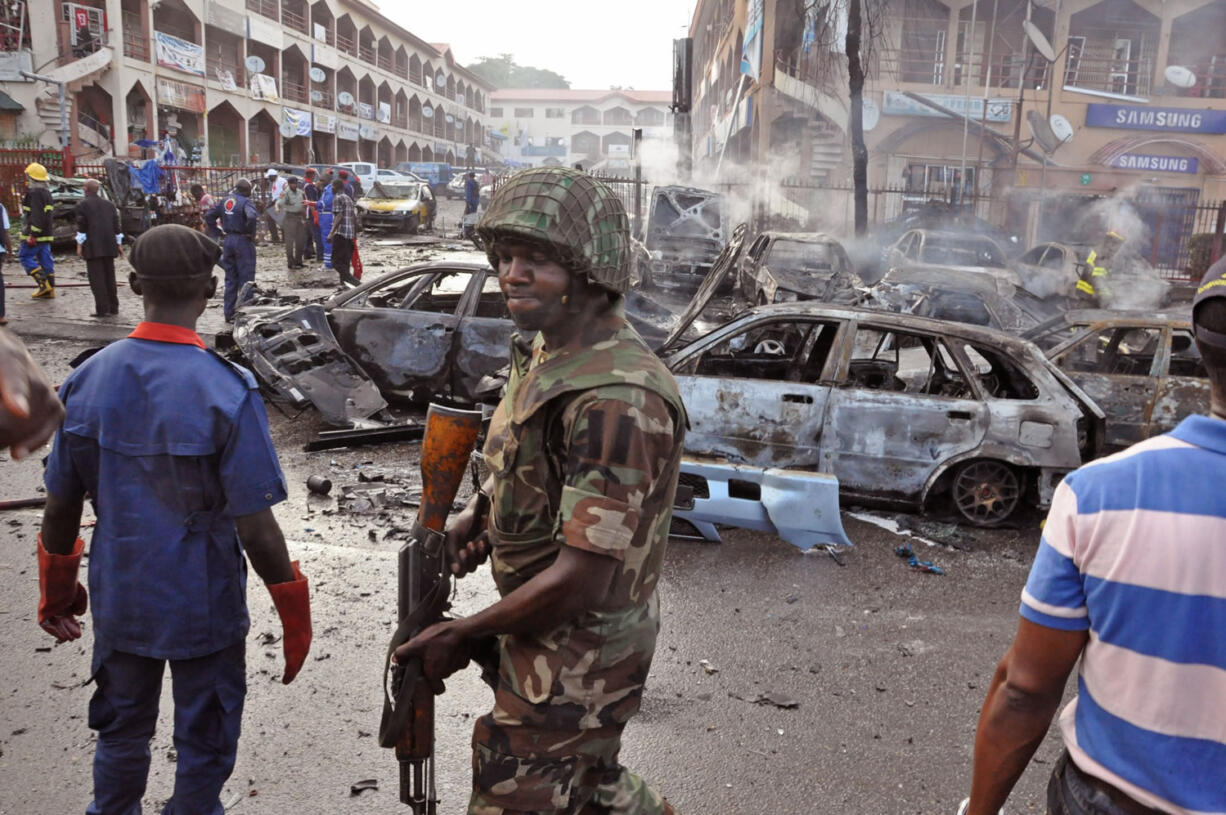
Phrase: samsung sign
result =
(1159, 164)
(1170, 120)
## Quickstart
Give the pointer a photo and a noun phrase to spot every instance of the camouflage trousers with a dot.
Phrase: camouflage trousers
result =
(521, 771)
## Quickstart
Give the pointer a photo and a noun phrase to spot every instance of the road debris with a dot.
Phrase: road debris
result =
(915, 563)
(362, 786)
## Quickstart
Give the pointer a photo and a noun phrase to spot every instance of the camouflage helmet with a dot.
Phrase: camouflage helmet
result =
(578, 216)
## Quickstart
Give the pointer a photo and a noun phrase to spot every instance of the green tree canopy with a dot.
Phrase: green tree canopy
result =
(503, 72)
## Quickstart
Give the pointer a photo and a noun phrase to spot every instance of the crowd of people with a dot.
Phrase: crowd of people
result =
(170, 444)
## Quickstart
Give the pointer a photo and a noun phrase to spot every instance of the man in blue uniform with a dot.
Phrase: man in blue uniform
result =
(315, 241)
(239, 221)
(171, 444)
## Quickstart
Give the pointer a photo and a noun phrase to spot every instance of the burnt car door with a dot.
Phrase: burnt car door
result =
(1116, 364)
(756, 390)
(483, 346)
(901, 407)
(1183, 387)
(402, 332)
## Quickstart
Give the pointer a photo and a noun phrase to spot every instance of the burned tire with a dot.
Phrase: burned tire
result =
(986, 492)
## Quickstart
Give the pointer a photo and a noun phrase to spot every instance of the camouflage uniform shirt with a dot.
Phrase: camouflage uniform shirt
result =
(585, 449)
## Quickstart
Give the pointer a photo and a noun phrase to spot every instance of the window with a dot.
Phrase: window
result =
(426, 291)
(523, 113)
(782, 350)
(1124, 350)
(969, 252)
(491, 302)
(904, 363)
(554, 113)
(999, 376)
(1048, 256)
(1185, 359)
(496, 113)
(803, 256)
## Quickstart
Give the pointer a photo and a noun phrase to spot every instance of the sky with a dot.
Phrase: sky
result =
(593, 44)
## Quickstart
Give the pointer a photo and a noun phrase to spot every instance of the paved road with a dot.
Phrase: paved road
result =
(888, 666)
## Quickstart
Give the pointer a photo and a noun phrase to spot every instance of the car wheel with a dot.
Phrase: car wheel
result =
(986, 493)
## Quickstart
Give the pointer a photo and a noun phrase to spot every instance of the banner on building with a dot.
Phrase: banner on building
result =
(321, 32)
(218, 15)
(751, 54)
(264, 87)
(367, 132)
(324, 57)
(181, 55)
(1157, 164)
(325, 122)
(366, 110)
(300, 120)
(896, 103)
(265, 31)
(347, 131)
(180, 95)
(1170, 120)
(384, 113)
(226, 79)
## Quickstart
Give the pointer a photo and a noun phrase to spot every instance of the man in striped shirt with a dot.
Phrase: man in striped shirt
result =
(1130, 578)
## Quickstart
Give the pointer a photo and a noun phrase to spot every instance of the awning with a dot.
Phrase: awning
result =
(9, 103)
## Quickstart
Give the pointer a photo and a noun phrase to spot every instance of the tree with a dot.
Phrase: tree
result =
(838, 39)
(503, 72)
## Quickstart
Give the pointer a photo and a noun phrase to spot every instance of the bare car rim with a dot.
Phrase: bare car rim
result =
(986, 492)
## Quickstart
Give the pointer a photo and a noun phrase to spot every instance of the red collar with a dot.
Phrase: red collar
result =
(161, 332)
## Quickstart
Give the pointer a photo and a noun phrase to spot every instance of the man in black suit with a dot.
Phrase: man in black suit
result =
(98, 241)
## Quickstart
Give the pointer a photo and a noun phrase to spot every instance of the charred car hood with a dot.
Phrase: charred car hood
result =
(720, 269)
(684, 216)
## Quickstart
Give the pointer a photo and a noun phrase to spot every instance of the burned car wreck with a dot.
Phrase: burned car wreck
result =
(790, 266)
(1142, 368)
(685, 233)
(432, 330)
(901, 409)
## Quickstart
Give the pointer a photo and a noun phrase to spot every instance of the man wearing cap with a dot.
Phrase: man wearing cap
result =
(239, 221)
(584, 452)
(347, 182)
(292, 206)
(170, 443)
(99, 238)
(314, 240)
(1130, 579)
(35, 251)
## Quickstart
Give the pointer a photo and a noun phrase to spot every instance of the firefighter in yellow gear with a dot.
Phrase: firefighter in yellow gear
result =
(35, 252)
(1095, 271)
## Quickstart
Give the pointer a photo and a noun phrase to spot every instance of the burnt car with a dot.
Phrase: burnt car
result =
(952, 250)
(901, 409)
(685, 233)
(437, 329)
(960, 296)
(782, 267)
(1051, 270)
(1142, 368)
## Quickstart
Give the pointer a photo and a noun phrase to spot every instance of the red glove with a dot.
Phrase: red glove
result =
(31, 241)
(61, 597)
(293, 602)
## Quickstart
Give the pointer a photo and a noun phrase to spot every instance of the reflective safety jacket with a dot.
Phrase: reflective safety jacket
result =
(36, 207)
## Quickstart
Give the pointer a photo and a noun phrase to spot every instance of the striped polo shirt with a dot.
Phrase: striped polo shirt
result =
(1134, 551)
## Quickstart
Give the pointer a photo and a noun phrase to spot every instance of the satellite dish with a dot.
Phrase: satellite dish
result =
(1039, 41)
(450, 118)
(289, 129)
(318, 75)
(1179, 76)
(317, 96)
(427, 112)
(254, 64)
(345, 98)
(1061, 128)
(871, 115)
(440, 80)
(1042, 132)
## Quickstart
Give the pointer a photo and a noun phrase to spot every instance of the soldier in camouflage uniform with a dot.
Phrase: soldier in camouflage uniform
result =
(584, 452)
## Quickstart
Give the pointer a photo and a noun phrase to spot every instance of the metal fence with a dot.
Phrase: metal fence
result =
(13, 163)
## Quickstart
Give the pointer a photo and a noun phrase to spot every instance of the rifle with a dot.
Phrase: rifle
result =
(422, 589)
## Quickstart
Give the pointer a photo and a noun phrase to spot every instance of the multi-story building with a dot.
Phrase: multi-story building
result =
(591, 128)
(242, 82)
(1135, 125)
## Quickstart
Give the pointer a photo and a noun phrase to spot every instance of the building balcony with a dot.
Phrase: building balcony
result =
(346, 45)
(384, 63)
(366, 54)
(295, 20)
(1131, 77)
(294, 92)
(265, 8)
(135, 43)
(216, 64)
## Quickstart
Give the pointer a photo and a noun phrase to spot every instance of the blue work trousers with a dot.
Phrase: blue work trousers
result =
(36, 257)
(325, 226)
(208, 695)
(238, 259)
